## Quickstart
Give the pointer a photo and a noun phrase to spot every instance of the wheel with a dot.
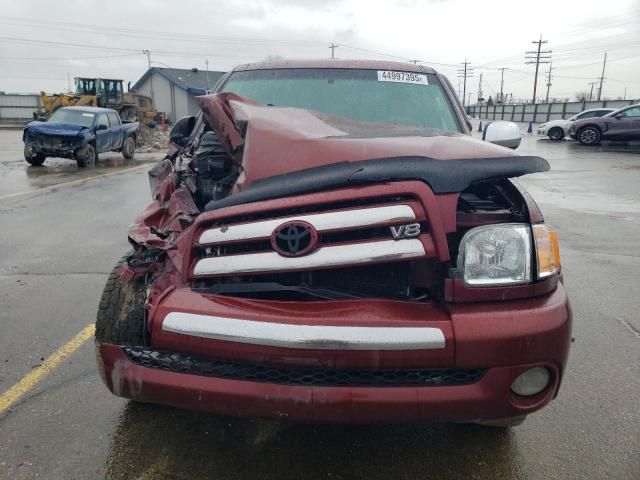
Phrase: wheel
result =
(556, 133)
(121, 313)
(503, 422)
(589, 136)
(129, 147)
(87, 156)
(34, 159)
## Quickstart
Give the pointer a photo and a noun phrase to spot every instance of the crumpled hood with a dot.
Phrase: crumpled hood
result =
(54, 128)
(269, 141)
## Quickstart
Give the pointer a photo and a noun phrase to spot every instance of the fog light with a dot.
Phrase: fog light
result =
(531, 382)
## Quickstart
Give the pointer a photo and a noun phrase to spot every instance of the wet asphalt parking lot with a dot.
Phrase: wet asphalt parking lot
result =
(63, 228)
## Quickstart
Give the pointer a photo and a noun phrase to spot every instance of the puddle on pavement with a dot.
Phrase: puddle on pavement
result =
(17, 176)
(152, 441)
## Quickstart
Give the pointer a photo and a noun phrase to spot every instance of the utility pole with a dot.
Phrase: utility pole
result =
(591, 92)
(502, 84)
(333, 47)
(464, 73)
(537, 56)
(604, 64)
(625, 93)
(469, 101)
(148, 54)
(549, 79)
(480, 98)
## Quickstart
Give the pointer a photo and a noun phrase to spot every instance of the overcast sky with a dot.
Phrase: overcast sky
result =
(43, 42)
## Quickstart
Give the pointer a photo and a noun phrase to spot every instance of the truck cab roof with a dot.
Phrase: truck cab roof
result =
(90, 109)
(336, 63)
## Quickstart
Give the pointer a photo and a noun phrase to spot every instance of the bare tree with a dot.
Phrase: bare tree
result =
(581, 96)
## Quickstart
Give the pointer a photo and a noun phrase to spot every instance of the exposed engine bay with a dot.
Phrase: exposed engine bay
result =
(209, 174)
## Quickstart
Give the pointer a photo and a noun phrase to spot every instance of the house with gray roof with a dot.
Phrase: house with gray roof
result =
(175, 89)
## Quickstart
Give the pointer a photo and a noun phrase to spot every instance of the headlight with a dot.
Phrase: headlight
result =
(496, 255)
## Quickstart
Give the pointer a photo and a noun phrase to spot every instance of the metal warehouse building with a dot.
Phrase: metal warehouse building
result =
(175, 89)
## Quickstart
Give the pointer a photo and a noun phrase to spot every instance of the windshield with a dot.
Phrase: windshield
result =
(72, 117)
(392, 97)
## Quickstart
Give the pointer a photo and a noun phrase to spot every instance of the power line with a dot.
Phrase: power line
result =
(146, 34)
(58, 59)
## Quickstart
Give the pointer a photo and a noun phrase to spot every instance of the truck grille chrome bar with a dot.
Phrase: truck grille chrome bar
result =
(325, 257)
(313, 337)
(354, 218)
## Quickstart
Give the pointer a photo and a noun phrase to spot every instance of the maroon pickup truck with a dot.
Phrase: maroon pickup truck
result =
(327, 242)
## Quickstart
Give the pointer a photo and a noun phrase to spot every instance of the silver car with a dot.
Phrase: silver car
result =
(558, 129)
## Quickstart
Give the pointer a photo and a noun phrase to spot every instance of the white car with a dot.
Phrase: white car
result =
(558, 129)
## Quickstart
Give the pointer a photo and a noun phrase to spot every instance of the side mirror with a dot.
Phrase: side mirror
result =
(505, 134)
(101, 127)
(181, 131)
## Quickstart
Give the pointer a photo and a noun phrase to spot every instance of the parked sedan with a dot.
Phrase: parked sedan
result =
(558, 129)
(623, 124)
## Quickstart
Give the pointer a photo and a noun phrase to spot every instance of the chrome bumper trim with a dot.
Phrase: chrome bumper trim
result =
(321, 221)
(312, 337)
(325, 257)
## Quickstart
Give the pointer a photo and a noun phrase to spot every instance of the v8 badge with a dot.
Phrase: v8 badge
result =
(405, 231)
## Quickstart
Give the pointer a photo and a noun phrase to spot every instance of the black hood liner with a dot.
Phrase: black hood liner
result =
(443, 176)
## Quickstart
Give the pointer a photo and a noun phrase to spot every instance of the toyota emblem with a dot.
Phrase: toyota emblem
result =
(294, 239)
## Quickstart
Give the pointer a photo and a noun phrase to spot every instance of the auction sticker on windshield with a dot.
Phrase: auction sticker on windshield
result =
(402, 77)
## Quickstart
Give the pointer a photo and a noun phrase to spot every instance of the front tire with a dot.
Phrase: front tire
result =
(556, 133)
(129, 147)
(87, 156)
(121, 313)
(589, 136)
(35, 159)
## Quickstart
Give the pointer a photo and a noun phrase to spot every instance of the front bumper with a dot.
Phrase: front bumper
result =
(67, 151)
(502, 338)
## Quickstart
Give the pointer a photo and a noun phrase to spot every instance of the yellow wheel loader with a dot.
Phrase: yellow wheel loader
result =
(100, 92)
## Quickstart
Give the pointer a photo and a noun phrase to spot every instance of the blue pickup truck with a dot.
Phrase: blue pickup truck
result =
(80, 133)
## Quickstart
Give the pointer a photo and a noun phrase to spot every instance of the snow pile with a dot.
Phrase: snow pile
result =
(152, 139)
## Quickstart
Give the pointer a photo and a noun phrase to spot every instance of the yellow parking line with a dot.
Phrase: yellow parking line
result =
(15, 393)
(73, 182)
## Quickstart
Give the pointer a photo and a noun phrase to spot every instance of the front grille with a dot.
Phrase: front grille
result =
(335, 238)
(181, 363)
(51, 141)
